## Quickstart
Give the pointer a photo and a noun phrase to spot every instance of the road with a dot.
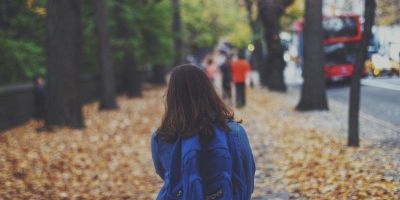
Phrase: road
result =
(380, 98)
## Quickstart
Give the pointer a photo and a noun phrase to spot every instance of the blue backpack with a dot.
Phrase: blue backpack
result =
(203, 170)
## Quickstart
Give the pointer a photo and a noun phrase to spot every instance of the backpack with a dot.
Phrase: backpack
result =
(202, 170)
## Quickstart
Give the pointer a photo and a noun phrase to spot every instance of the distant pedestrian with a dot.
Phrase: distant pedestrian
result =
(211, 69)
(240, 68)
(40, 96)
(225, 69)
(199, 151)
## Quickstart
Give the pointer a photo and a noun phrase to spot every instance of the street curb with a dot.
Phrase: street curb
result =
(342, 108)
(373, 83)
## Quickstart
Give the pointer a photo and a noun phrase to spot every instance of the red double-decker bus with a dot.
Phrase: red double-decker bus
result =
(341, 35)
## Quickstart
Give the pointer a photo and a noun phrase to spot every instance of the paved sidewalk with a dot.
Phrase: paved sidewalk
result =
(280, 136)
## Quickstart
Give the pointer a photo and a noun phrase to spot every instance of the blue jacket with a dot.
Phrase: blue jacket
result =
(161, 153)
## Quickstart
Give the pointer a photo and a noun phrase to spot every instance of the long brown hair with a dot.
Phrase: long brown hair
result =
(192, 106)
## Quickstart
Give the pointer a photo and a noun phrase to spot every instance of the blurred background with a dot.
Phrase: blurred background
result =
(83, 76)
(147, 38)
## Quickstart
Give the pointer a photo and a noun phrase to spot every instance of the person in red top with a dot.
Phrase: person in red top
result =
(240, 68)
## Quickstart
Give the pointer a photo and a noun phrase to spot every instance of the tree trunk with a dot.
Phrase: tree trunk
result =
(369, 16)
(177, 30)
(107, 98)
(270, 14)
(63, 63)
(131, 76)
(159, 74)
(313, 95)
(257, 54)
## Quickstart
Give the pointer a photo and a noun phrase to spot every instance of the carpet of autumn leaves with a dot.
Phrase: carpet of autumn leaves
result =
(111, 159)
(312, 161)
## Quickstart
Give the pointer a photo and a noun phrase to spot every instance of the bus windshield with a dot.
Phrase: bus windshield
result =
(339, 53)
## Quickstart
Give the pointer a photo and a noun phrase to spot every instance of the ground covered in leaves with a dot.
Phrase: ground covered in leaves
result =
(301, 156)
(296, 157)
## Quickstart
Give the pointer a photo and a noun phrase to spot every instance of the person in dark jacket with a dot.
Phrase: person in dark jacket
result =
(193, 109)
(225, 69)
(40, 96)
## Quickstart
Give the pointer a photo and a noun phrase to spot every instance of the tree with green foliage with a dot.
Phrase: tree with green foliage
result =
(293, 12)
(141, 38)
(131, 78)
(151, 39)
(387, 12)
(22, 40)
(206, 22)
(177, 30)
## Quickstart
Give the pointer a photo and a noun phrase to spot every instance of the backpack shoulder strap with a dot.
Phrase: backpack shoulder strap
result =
(232, 141)
(191, 181)
(175, 168)
(234, 150)
(237, 166)
(190, 145)
(220, 139)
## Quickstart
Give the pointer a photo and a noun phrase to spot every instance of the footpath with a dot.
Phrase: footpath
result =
(304, 155)
(298, 155)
